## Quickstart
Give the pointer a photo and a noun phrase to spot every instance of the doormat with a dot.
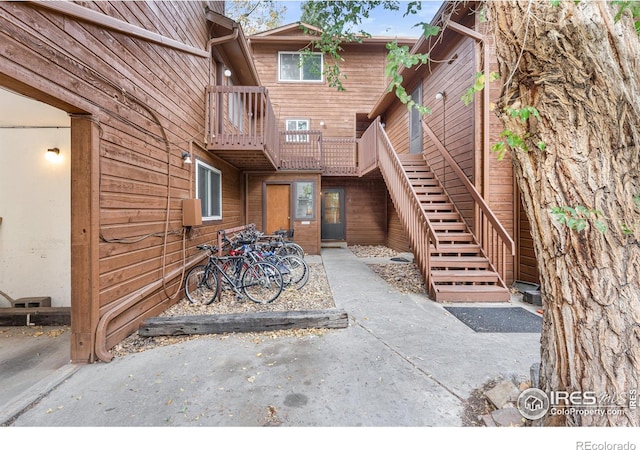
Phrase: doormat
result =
(498, 320)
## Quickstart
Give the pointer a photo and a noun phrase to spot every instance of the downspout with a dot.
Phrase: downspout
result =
(220, 40)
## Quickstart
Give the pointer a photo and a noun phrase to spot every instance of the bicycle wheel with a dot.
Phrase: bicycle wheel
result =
(262, 282)
(298, 271)
(201, 285)
(290, 248)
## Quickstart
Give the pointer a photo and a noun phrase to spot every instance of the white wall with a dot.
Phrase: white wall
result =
(35, 201)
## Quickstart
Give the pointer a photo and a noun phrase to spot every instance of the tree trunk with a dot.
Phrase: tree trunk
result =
(580, 69)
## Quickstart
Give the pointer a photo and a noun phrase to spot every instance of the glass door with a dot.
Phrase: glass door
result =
(333, 227)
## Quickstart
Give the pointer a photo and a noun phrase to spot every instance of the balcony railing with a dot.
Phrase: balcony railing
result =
(309, 150)
(301, 150)
(241, 118)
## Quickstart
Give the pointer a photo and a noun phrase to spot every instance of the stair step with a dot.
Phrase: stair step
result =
(457, 237)
(443, 216)
(431, 191)
(424, 182)
(449, 262)
(448, 226)
(468, 293)
(431, 197)
(455, 248)
(411, 157)
(437, 206)
(462, 276)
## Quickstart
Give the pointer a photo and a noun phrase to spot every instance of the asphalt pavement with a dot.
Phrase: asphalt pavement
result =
(403, 361)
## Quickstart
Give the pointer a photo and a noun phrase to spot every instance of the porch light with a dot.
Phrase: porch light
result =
(53, 154)
(227, 73)
(186, 157)
(440, 95)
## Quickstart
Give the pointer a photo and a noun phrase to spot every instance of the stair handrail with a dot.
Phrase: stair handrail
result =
(487, 211)
(393, 156)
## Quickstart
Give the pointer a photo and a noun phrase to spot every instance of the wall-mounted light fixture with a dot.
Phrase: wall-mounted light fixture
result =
(186, 157)
(53, 154)
(227, 73)
(440, 95)
(322, 123)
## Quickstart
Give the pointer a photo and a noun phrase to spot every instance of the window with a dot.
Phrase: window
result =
(236, 109)
(304, 198)
(297, 125)
(209, 191)
(295, 66)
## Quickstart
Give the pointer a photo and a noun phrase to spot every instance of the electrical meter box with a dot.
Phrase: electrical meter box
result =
(191, 212)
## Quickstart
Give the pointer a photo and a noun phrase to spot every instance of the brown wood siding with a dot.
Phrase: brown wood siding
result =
(147, 101)
(451, 121)
(501, 196)
(459, 128)
(307, 235)
(527, 269)
(365, 209)
(364, 67)
(397, 238)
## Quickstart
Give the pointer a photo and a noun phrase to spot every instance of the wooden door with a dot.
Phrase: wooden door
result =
(278, 207)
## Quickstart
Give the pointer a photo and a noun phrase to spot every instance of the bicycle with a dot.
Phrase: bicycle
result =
(261, 281)
(295, 270)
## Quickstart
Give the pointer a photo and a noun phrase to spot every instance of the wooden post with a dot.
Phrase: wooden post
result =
(85, 302)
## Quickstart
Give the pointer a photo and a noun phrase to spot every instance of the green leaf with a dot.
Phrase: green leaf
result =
(428, 30)
(500, 148)
(582, 210)
(600, 225)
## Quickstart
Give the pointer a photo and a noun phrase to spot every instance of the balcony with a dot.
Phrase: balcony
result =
(242, 129)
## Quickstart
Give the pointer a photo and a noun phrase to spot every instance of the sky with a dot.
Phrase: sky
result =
(381, 22)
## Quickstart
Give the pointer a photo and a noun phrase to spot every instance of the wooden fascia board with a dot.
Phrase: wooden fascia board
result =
(87, 15)
(236, 51)
(376, 40)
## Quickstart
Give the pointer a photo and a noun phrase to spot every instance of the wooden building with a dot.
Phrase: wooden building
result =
(170, 102)
(133, 77)
(320, 128)
(475, 217)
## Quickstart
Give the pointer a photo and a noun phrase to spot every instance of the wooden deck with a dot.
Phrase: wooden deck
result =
(242, 129)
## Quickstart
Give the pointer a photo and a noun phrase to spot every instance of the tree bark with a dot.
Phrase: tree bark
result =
(581, 70)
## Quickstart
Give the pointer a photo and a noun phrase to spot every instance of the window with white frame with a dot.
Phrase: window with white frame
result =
(297, 125)
(297, 66)
(236, 109)
(209, 190)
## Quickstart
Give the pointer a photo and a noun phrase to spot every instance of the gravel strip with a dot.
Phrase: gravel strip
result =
(315, 295)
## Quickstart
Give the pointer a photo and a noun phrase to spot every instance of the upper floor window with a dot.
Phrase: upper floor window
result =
(297, 125)
(296, 66)
(209, 190)
(236, 109)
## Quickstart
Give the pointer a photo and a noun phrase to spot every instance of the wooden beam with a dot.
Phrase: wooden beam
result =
(243, 322)
(87, 15)
(85, 211)
(43, 316)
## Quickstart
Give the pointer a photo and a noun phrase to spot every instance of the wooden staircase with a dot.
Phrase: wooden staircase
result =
(459, 269)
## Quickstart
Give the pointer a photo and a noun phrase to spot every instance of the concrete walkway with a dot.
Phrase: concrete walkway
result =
(403, 361)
